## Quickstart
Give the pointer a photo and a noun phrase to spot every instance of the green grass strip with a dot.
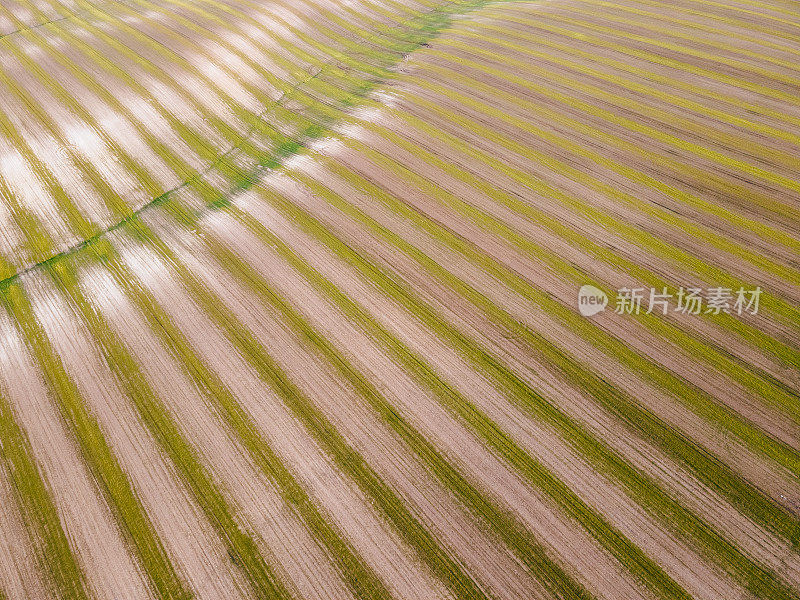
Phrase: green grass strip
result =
(718, 357)
(761, 383)
(176, 163)
(638, 125)
(646, 492)
(677, 32)
(358, 575)
(117, 42)
(428, 24)
(747, 21)
(631, 556)
(346, 458)
(544, 40)
(221, 162)
(250, 119)
(654, 57)
(786, 310)
(755, 439)
(68, 101)
(377, 34)
(534, 45)
(39, 513)
(666, 46)
(241, 546)
(693, 397)
(710, 470)
(122, 498)
(204, 149)
(698, 25)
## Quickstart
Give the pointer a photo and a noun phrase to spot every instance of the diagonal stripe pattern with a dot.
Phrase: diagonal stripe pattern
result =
(289, 299)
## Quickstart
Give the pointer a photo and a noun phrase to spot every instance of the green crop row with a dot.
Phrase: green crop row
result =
(718, 475)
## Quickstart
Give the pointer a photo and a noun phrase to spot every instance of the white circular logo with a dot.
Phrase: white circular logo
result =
(591, 300)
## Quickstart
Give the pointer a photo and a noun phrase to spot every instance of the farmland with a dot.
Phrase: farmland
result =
(290, 299)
